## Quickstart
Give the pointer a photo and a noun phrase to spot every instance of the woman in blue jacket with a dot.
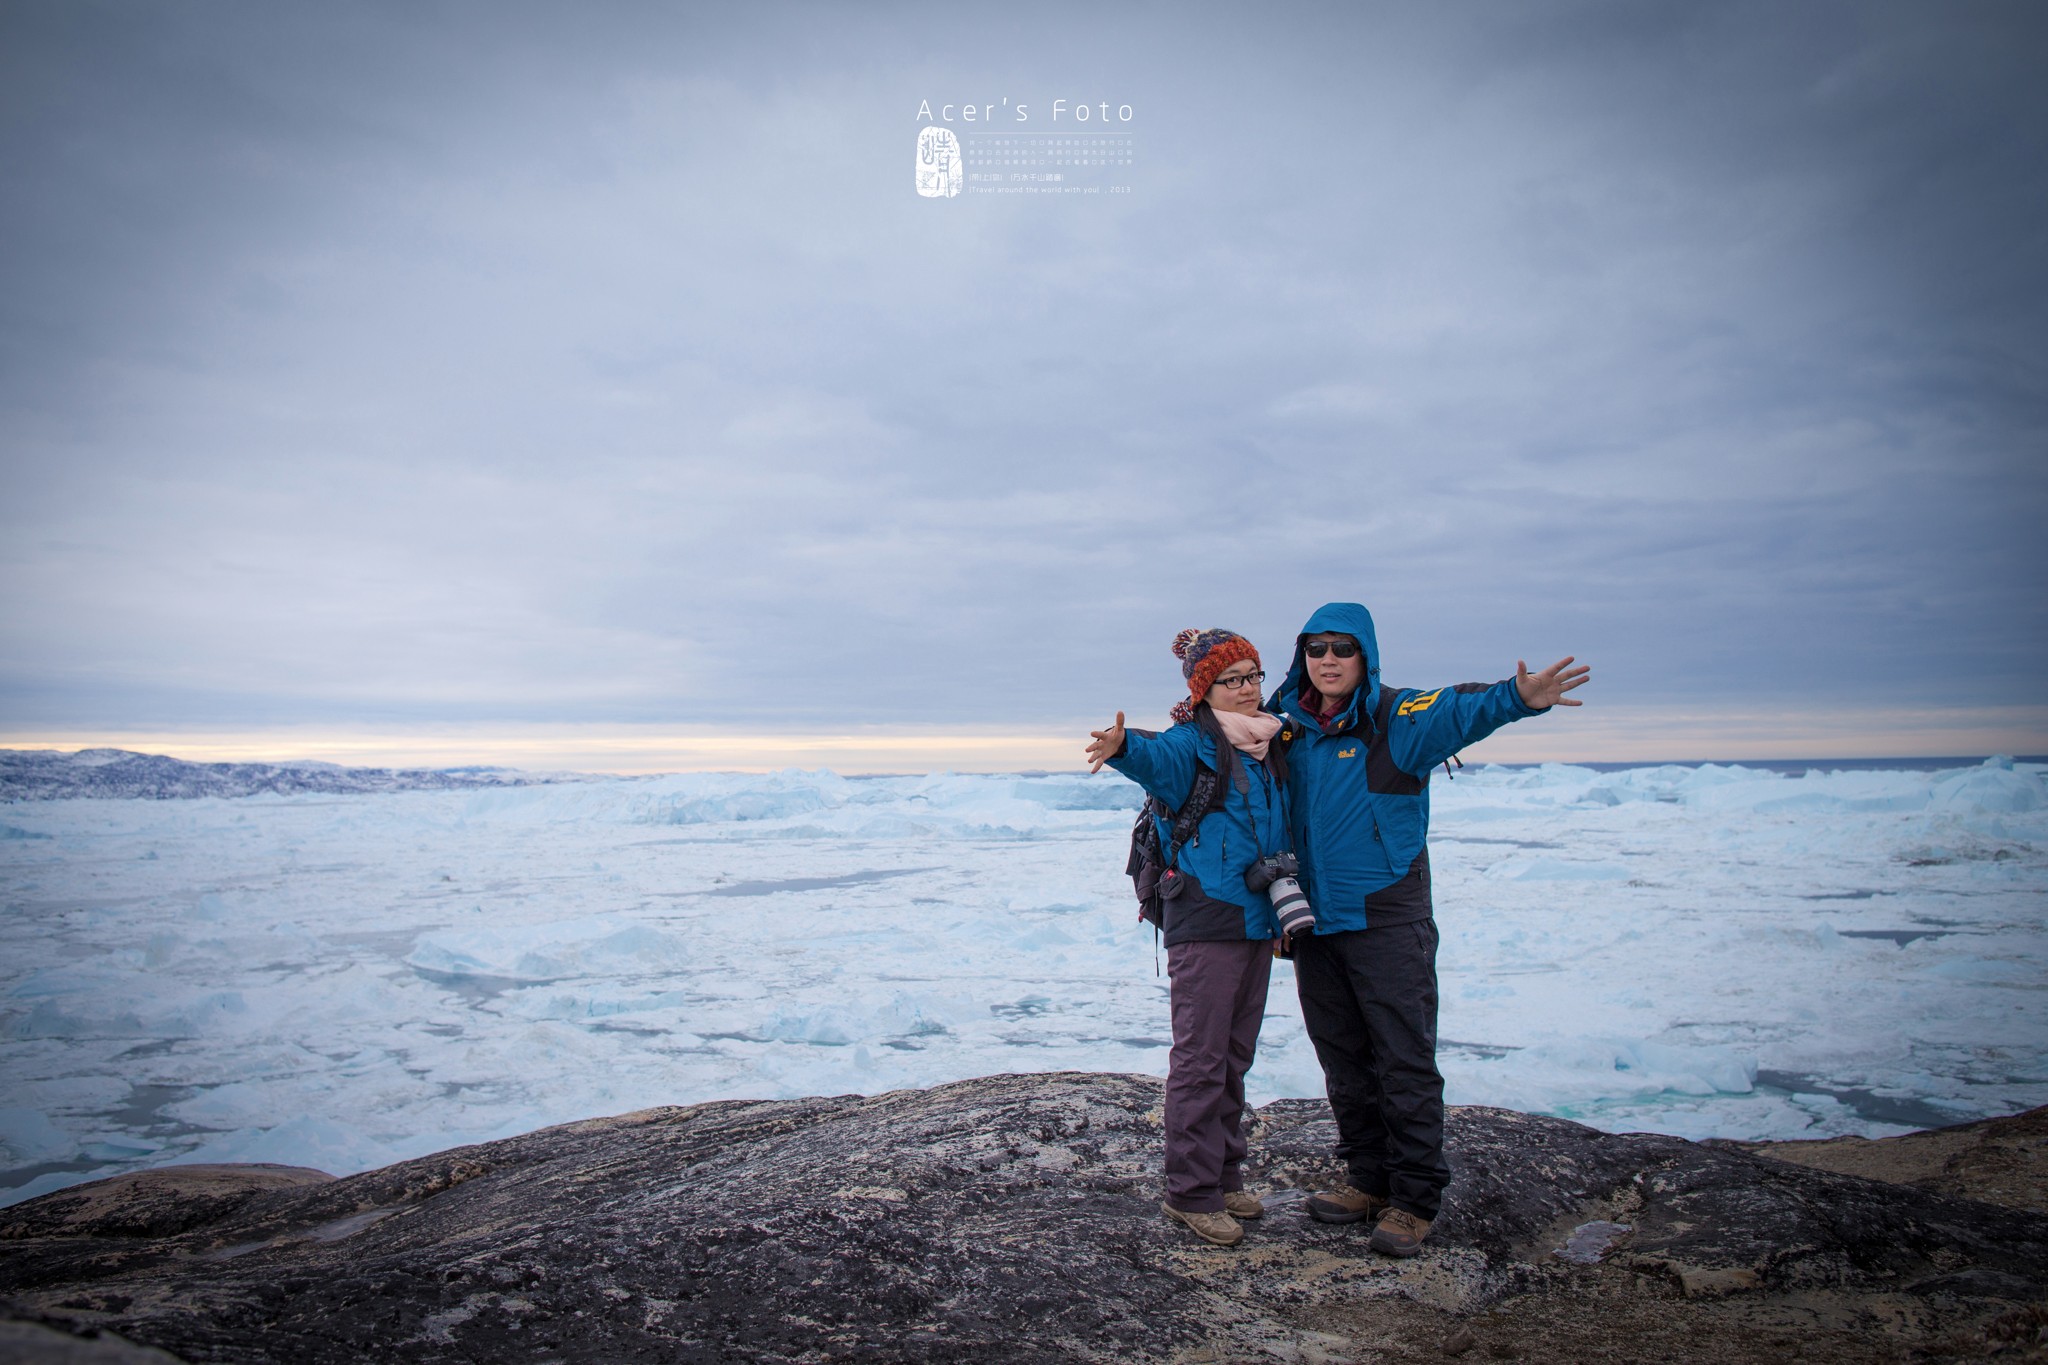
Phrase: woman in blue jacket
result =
(1219, 931)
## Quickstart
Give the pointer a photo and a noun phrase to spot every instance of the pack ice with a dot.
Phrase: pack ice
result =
(346, 980)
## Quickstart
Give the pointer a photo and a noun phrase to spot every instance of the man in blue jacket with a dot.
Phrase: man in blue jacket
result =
(1358, 782)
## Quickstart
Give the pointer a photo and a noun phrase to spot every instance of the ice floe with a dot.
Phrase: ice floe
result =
(344, 980)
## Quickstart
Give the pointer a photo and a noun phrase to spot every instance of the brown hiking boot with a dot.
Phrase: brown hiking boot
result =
(1345, 1204)
(1238, 1204)
(1399, 1233)
(1219, 1227)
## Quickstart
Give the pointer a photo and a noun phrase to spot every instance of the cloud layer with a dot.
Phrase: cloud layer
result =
(410, 364)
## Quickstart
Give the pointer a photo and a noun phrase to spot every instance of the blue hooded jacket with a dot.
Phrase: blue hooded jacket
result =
(1251, 824)
(1359, 789)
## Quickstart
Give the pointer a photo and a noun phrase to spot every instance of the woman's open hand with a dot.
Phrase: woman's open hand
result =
(1107, 744)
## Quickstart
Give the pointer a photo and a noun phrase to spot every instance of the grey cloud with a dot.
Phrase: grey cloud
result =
(513, 362)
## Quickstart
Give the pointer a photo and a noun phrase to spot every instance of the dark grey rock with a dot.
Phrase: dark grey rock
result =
(29, 1341)
(155, 1203)
(1012, 1218)
(2001, 1160)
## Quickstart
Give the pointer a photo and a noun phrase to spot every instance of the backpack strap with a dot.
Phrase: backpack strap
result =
(1149, 860)
(1202, 798)
(1149, 863)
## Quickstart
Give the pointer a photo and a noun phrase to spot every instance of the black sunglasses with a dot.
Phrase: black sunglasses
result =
(1343, 649)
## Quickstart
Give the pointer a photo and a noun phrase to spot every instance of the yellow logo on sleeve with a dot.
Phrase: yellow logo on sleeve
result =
(1416, 705)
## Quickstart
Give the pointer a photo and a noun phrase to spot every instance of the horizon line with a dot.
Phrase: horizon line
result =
(646, 750)
(1860, 761)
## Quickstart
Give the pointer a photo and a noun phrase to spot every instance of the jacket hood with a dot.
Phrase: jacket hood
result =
(1334, 618)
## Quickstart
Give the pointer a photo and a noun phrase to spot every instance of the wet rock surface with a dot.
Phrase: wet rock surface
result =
(1012, 1218)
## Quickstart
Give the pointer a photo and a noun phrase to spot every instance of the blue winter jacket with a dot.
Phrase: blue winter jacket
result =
(1251, 824)
(1359, 789)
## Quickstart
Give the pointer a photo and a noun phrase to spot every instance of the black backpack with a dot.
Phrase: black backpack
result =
(1149, 865)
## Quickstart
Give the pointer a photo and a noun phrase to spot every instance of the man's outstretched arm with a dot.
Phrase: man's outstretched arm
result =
(1428, 727)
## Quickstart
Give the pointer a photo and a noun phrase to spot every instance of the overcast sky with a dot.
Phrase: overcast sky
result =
(495, 365)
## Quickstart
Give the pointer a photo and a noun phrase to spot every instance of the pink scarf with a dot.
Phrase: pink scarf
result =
(1249, 734)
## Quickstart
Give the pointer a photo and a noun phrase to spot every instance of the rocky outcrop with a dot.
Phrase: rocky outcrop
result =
(2000, 1161)
(1009, 1218)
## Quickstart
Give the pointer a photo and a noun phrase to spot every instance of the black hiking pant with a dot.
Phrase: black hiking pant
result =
(1368, 998)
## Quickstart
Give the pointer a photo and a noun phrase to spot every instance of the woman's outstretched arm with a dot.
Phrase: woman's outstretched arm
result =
(1163, 764)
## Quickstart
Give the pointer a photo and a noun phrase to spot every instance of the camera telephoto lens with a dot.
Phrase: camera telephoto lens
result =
(1274, 875)
(1291, 906)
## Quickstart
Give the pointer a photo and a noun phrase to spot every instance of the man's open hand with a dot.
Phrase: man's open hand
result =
(1547, 688)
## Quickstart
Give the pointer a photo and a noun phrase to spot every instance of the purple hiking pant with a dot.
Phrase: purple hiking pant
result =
(1219, 996)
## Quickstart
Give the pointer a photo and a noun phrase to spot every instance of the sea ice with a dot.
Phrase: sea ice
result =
(346, 980)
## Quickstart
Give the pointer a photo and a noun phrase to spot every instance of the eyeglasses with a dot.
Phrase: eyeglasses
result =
(1240, 680)
(1343, 649)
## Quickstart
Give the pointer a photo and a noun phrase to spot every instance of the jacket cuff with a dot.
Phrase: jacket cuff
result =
(1123, 750)
(1522, 708)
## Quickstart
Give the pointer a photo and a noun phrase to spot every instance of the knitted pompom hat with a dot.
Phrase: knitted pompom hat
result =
(1203, 654)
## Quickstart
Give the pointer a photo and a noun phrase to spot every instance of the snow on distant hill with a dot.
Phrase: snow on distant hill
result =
(48, 775)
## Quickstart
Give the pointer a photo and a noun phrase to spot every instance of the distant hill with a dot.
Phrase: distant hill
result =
(47, 775)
